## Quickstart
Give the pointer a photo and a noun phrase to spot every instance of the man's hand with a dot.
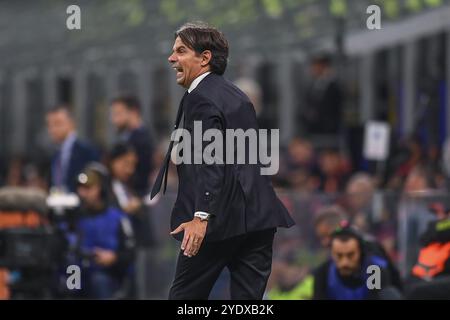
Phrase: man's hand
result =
(194, 233)
(104, 257)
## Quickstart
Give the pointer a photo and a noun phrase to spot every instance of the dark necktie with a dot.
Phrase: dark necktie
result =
(163, 172)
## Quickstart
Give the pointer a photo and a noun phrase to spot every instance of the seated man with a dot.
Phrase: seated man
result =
(345, 275)
(330, 218)
(105, 238)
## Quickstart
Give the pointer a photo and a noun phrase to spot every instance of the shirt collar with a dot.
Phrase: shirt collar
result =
(70, 140)
(197, 80)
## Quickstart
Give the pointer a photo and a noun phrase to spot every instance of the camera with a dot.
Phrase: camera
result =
(30, 245)
(26, 237)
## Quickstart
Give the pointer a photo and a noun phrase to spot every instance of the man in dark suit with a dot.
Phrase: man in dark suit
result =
(323, 97)
(126, 117)
(72, 155)
(225, 214)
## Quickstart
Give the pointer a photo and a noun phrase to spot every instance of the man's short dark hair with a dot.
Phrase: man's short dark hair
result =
(129, 101)
(200, 37)
(61, 108)
(347, 233)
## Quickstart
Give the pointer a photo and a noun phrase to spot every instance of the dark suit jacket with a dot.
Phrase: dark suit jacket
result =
(324, 100)
(241, 199)
(81, 154)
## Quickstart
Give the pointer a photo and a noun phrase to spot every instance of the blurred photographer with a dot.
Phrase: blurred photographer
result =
(106, 240)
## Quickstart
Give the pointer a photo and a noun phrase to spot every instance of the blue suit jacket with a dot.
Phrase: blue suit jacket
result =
(81, 154)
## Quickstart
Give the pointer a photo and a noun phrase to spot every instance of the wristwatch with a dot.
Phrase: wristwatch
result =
(204, 216)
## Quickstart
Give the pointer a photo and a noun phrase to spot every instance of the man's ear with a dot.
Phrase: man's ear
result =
(206, 57)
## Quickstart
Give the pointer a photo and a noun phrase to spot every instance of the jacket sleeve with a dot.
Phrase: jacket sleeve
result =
(209, 175)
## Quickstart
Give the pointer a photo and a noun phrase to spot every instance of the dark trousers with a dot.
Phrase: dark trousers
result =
(248, 258)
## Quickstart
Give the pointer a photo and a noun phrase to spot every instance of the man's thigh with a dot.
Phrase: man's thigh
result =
(251, 265)
(195, 277)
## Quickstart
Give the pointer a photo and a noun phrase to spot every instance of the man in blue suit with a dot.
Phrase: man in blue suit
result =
(72, 155)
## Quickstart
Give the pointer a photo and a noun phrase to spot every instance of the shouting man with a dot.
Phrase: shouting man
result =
(225, 214)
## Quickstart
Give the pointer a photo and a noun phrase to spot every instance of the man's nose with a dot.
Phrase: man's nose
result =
(171, 58)
(345, 263)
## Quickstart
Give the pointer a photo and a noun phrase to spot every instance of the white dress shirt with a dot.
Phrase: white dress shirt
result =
(121, 193)
(197, 80)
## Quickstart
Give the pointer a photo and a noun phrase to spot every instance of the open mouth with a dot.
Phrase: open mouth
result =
(178, 70)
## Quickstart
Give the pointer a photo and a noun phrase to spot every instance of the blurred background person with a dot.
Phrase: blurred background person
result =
(430, 277)
(334, 170)
(126, 117)
(72, 155)
(344, 276)
(106, 238)
(122, 166)
(122, 161)
(327, 220)
(14, 173)
(332, 218)
(359, 193)
(22, 172)
(445, 162)
(322, 112)
(254, 92)
(414, 215)
(3, 169)
(290, 278)
(408, 154)
(298, 167)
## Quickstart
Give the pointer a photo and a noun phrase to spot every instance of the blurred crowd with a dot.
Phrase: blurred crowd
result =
(350, 212)
(112, 222)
